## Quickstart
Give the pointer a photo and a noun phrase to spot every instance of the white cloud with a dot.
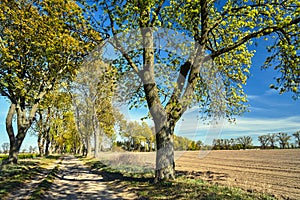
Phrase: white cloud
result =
(264, 125)
(271, 92)
(243, 126)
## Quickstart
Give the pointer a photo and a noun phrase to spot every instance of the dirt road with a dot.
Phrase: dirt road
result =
(75, 181)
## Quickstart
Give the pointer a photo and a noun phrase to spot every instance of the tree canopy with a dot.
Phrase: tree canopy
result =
(42, 43)
(222, 33)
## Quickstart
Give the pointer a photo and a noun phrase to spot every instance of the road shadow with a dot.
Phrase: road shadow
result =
(74, 180)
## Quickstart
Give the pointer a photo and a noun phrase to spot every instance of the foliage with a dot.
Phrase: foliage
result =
(222, 32)
(42, 44)
(227, 144)
(92, 92)
(183, 143)
(136, 136)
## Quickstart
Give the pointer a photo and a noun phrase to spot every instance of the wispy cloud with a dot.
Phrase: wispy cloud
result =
(243, 126)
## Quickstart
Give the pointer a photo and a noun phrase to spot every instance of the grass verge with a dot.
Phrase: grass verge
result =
(181, 188)
(14, 177)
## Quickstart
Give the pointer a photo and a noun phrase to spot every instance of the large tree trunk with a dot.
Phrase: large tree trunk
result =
(165, 164)
(23, 124)
(13, 153)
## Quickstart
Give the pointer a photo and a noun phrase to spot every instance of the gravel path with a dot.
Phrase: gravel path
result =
(75, 181)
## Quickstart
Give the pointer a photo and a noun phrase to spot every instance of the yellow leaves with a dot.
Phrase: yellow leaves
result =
(223, 23)
(295, 89)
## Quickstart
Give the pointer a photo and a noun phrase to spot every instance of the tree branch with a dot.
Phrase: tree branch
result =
(263, 32)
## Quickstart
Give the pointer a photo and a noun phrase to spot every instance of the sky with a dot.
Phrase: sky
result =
(270, 112)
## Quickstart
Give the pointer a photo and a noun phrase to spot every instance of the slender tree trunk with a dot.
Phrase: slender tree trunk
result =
(96, 143)
(97, 133)
(41, 139)
(88, 147)
(41, 144)
(48, 142)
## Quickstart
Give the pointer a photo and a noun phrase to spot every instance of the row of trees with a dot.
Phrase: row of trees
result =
(43, 45)
(269, 141)
(243, 142)
(283, 139)
(140, 137)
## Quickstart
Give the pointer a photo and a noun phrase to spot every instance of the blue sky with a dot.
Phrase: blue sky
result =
(269, 112)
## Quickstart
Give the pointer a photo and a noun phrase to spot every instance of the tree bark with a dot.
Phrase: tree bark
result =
(23, 124)
(165, 164)
(48, 142)
(41, 144)
(88, 146)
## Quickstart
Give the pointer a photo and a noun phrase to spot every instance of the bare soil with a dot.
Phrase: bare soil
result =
(275, 172)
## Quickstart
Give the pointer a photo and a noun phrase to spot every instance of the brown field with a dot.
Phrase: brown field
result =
(275, 172)
(270, 171)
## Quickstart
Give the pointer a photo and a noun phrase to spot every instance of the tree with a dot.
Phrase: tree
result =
(245, 141)
(148, 135)
(5, 147)
(222, 32)
(92, 92)
(264, 141)
(272, 139)
(42, 43)
(199, 144)
(283, 139)
(297, 137)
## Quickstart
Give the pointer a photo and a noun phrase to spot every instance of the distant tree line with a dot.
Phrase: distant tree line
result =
(5, 149)
(141, 137)
(244, 142)
(269, 141)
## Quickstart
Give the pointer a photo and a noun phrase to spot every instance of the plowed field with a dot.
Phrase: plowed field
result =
(271, 171)
(275, 172)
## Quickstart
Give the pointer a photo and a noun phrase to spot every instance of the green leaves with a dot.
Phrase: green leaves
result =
(43, 43)
(225, 30)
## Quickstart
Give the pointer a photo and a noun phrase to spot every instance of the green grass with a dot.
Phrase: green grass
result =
(181, 188)
(20, 156)
(184, 188)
